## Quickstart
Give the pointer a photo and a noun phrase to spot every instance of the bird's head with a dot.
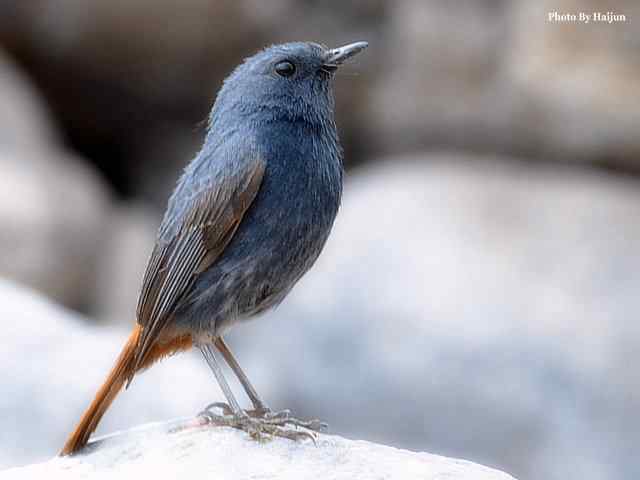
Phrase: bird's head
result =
(290, 81)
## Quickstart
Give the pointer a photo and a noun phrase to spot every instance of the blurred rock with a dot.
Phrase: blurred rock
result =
(440, 76)
(497, 76)
(52, 211)
(129, 238)
(471, 306)
(25, 122)
(578, 82)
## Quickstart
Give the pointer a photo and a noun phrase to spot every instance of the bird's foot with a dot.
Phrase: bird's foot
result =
(262, 423)
(283, 417)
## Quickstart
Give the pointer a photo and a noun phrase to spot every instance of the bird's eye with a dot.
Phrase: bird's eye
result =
(285, 69)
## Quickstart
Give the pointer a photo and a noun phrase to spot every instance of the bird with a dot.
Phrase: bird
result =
(249, 216)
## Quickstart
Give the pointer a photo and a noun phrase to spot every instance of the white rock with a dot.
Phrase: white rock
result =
(25, 122)
(128, 241)
(223, 453)
(53, 209)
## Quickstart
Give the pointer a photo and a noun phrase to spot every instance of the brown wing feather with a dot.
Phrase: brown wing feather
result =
(205, 232)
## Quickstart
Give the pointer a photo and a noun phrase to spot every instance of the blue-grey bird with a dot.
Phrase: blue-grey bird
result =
(249, 216)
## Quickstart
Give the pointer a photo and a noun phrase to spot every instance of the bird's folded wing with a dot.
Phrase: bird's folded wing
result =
(206, 229)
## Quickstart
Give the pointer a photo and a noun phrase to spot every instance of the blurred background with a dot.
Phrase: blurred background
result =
(478, 297)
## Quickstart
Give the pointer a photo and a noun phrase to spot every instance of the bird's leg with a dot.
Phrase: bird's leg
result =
(259, 407)
(255, 426)
(233, 407)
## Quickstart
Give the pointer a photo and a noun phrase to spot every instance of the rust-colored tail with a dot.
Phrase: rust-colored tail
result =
(123, 370)
(108, 391)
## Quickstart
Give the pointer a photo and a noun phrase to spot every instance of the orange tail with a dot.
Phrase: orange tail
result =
(123, 370)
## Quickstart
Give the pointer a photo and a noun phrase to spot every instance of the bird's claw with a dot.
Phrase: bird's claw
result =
(267, 413)
(263, 423)
(226, 409)
(284, 417)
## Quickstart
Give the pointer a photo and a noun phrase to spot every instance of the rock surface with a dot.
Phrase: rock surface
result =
(222, 453)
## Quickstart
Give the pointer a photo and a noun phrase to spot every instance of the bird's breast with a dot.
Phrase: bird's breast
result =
(281, 234)
(301, 190)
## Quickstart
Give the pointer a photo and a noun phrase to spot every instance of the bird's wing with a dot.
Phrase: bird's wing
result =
(207, 227)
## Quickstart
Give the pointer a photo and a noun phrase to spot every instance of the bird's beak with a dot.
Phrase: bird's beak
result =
(337, 56)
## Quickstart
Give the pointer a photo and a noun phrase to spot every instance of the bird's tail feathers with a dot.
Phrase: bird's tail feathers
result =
(121, 371)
